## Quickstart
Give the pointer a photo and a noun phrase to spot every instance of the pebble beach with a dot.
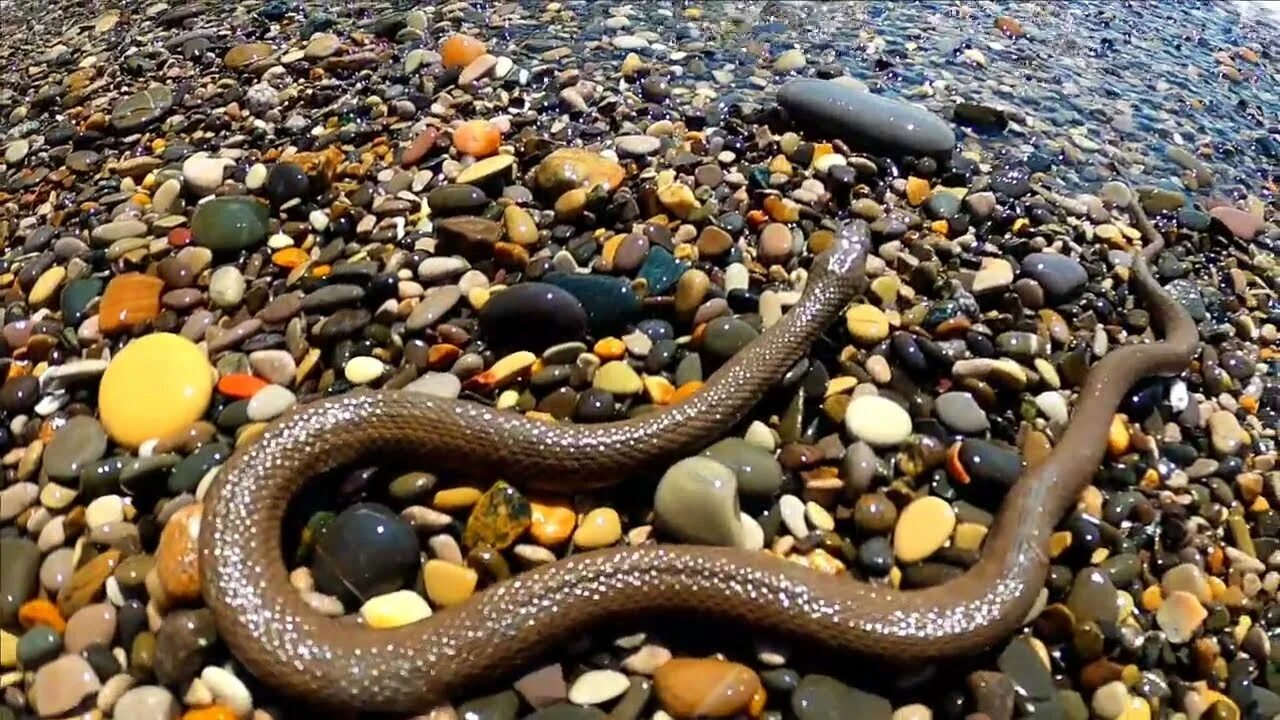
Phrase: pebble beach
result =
(577, 211)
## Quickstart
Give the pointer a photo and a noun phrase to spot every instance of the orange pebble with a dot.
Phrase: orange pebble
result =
(478, 138)
(179, 237)
(1250, 404)
(240, 385)
(684, 391)
(457, 51)
(939, 226)
(442, 355)
(610, 348)
(213, 712)
(553, 521)
(41, 612)
(290, 257)
(1152, 598)
(321, 271)
(757, 218)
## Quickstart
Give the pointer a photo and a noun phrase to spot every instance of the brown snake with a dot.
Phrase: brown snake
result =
(294, 649)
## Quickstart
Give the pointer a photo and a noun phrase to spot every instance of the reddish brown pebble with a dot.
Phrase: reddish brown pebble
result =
(705, 687)
(130, 300)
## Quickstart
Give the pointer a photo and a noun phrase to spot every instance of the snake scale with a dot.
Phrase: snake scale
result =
(299, 652)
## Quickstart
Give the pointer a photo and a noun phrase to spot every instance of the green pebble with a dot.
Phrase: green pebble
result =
(229, 224)
(38, 646)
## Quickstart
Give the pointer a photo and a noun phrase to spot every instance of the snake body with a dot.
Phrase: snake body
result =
(293, 648)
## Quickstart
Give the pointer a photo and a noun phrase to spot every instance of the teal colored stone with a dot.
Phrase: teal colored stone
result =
(76, 296)
(38, 646)
(661, 270)
(1193, 219)
(609, 301)
(230, 224)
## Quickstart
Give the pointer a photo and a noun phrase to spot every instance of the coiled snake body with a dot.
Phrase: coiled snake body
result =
(293, 648)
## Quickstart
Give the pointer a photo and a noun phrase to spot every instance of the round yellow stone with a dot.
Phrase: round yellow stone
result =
(157, 385)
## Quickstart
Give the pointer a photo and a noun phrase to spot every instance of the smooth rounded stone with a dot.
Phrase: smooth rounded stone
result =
(942, 204)
(275, 366)
(569, 168)
(960, 412)
(434, 305)
(16, 498)
(820, 697)
(62, 684)
(183, 644)
(1093, 596)
(1030, 675)
(705, 687)
(19, 576)
(989, 464)
(1241, 224)
(1187, 578)
(147, 702)
(19, 393)
(456, 199)
(38, 646)
(618, 378)
(285, 182)
(923, 527)
(394, 609)
(246, 54)
(483, 171)
(759, 474)
(270, 402)
(995, 275)
(596, 687)
(877, 421)
(499, 706)
(141, 108)
(1226, 434)
(437, 384)
(229, 224)
(201, 175)
(725, 336)
(864, 119)
(74, 446)
(1054, 406)
(366, 550)
(1180, 616)
(91, 624)
(157, 385)
(789, 61)
(637, 145)
(226, 286)
(1110, 700)
(533, 316)
(15, 151)
(1059, 275)
(696, 501)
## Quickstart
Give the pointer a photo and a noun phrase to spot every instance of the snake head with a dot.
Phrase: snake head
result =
(848, 255)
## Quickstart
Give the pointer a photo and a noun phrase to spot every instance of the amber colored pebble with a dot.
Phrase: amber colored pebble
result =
(442, 355)
(1118, 438)
(659, 389)
(955, 467)
(457, 51)
(939, 226)
(600, 528)
(685, 391)
(478, 138)
(213, 712)
(448, 584)
(130, 300)
(179, 237)
(1152, 598)
(320, 271)
(757, 217)
(610, 348)
(553, 521)
(178, 555)
(1249, 404)
(705, 687)
(86, 583)
(454, 499)
(290, 257)
(240, 385)
(41, 612)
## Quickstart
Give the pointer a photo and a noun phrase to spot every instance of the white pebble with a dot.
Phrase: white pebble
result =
(279, 241)
(228, 690)
(1109, 700)
(598, 686)
(792, 510)
(256, 177)
(878, 421)
(1053, 405)
(270, 402)
(319, 220)
(736, 277)
(437, 384)
(1179, 398)
(363, 369)
(103, 510)
(761, 436)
